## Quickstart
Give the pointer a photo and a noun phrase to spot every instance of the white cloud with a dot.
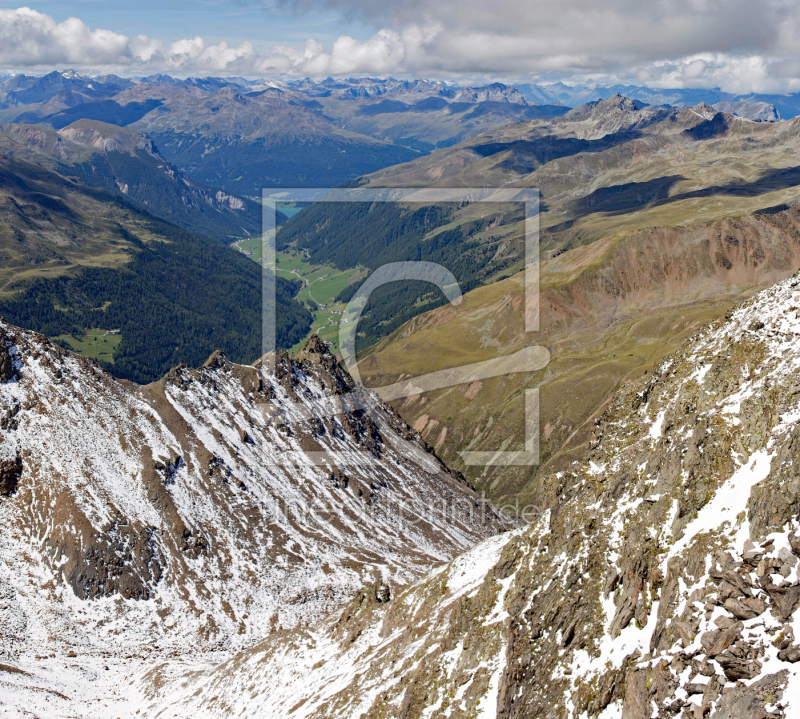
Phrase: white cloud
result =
(30, 39)
(738, 45)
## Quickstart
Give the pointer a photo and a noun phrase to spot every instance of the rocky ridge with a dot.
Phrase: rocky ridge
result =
(199, 513)
(660, 580)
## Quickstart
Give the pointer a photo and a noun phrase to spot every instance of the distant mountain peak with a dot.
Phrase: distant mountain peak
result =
(704, 109)
(615, 104)
(496, 92)
(750, 110)
(73, 75)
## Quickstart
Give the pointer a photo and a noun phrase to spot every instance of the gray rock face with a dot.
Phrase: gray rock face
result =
(598, 108)
(756, 111)
(613, 115)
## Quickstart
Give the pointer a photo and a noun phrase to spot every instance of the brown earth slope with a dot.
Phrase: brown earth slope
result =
(609, 311)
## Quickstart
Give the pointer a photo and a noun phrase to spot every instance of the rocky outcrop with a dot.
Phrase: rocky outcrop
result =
(120, 559)
(9, 369)
(10, 471)
(496, 92)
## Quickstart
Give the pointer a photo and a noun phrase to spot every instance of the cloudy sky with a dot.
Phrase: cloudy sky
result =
(738, 45)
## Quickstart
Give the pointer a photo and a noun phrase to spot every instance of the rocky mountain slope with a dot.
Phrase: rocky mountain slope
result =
(127, 163)
(659, 579)
(197, 514)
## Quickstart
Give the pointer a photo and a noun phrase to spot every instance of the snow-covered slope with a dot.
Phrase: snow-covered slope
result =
(196, 514)
(661, 579)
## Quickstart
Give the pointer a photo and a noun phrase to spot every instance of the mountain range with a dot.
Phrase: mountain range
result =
(309, 133)
(784, 106)
(192, 532)
(653, 221)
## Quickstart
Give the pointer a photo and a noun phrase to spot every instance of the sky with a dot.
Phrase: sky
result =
(740, 46)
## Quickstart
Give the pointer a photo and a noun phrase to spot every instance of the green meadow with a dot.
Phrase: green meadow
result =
(321, 284)
(97, 344)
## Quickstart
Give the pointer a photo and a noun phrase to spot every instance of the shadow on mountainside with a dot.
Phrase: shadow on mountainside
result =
(622, 199)
(541, 150)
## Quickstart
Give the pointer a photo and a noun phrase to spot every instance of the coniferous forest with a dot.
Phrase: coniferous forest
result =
(174, 301)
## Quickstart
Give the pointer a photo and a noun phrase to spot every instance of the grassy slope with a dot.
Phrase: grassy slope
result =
(594, 188)
(680, 170)
(51, 226)
(96, 343)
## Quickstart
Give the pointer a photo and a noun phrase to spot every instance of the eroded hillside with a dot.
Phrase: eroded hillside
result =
(608, 312)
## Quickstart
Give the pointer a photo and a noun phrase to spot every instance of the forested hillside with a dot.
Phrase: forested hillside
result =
(77, 258)
(174, 302)
(355, 234)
